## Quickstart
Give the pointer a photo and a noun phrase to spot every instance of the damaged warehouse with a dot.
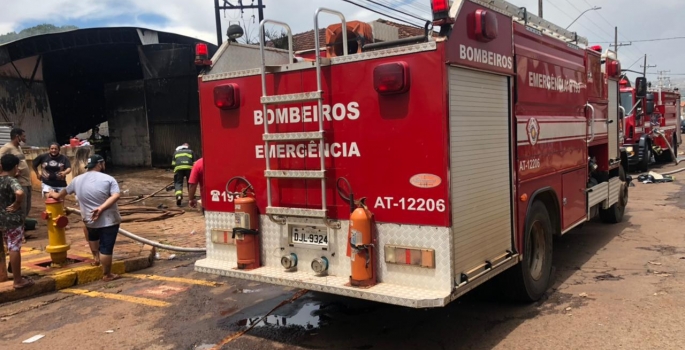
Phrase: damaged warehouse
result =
(142, 82)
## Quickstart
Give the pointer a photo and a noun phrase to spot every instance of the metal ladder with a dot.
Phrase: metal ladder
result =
(272, 211)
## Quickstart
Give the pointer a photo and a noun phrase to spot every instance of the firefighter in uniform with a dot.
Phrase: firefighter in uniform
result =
(183, 164)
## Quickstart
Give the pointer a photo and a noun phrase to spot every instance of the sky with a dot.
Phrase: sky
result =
(636, 19)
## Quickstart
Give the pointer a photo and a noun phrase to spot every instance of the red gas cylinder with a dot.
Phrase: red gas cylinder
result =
(246, 233)
(74, 142)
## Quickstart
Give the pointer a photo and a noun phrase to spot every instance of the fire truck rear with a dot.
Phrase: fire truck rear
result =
(652, 122)
(409, 172)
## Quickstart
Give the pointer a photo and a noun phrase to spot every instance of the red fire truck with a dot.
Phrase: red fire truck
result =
(410, 171)
(651, 131)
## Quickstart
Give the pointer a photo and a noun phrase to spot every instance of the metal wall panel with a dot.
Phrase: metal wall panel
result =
(27, 107)
(127, 123)
(480, 167)
(164, 138)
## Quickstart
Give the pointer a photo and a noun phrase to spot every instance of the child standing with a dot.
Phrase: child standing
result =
(12, 218)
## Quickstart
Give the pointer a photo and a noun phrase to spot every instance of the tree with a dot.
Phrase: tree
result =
(278, 38)
(35, 30)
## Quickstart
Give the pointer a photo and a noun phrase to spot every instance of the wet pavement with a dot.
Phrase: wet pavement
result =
(615, 287)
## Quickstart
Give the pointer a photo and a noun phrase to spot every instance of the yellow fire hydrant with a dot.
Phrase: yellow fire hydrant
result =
(57, 220)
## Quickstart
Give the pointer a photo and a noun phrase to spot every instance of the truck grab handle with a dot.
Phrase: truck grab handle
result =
(592, 123)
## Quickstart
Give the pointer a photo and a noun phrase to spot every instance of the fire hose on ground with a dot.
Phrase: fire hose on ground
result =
(149, 242)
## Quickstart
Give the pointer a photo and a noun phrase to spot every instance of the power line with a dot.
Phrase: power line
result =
(580, 24)
(636, 61)
(396, 10)
(381, 13)
(647, 40)
(630, 50)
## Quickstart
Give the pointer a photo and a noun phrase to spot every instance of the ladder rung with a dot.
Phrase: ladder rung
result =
(311, 213)
(291, 98)
(293, 136)
(295, 174)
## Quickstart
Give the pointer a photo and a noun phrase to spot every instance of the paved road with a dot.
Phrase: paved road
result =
(616, 287)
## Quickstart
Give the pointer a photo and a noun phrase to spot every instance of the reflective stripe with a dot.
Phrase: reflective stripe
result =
(183, 167)
(189, 155)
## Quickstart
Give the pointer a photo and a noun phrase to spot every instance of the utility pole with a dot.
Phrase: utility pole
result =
(645, 66)
(616, 44)
(227, 5)
(540, 8)
(662, 77)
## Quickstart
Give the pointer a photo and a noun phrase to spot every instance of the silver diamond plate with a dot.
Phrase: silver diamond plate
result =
(293, 136)
(275, 237)
(296, 174)
(291, 98)
(383, 292)
(429, 46)
(310, 213)
(234, 74)
(395, 51)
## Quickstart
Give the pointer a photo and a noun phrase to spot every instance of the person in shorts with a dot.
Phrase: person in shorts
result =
(12, 216)
(98, 194)
(54, 168)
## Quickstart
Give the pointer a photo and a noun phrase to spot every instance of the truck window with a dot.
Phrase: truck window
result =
(627, 101)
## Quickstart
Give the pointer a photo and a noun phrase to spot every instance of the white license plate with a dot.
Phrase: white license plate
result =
(309, 235)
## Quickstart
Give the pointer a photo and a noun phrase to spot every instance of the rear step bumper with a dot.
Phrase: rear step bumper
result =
(382, 292)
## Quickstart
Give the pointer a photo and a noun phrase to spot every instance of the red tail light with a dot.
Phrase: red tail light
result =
(227, 96)
(440, 9)
(202, 55)
(485, 25)
(391, 78)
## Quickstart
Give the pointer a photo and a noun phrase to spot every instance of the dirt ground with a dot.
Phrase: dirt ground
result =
(615, 287)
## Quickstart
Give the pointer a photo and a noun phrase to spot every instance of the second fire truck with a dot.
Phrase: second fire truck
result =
(409, 171)
(652, 123)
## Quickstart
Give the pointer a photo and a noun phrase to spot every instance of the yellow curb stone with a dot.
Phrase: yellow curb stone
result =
(87, 274)
(64, 279)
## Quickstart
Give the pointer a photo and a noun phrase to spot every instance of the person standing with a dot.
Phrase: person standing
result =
(18, 137)
(12, 219)
(54, 168)
(98, 194)
(183, 164)
(196, 178)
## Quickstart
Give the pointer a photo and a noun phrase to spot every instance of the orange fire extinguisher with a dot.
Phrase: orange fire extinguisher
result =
(361, 245)
(246, 228)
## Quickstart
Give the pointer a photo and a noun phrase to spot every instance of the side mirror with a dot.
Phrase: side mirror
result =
(649, 106)
(641, 86)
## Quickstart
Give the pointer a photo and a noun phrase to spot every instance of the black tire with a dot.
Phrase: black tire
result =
(614, 214)
(643, 165)
(531, 277)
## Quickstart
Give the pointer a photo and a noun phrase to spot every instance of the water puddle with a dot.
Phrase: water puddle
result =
(307, 317)
(247, 291)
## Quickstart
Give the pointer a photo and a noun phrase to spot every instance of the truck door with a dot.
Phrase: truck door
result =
(481, 181)
(612, 120)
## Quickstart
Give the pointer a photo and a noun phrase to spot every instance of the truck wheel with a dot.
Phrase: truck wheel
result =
(646, 157)
(614, 214)
(532, 275)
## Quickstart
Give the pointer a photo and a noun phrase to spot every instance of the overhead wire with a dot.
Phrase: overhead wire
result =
(598, 27)
(408, 4)
(396, 10)
(382, 13)
(580, 24)
(620, 35)
(636, 61)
